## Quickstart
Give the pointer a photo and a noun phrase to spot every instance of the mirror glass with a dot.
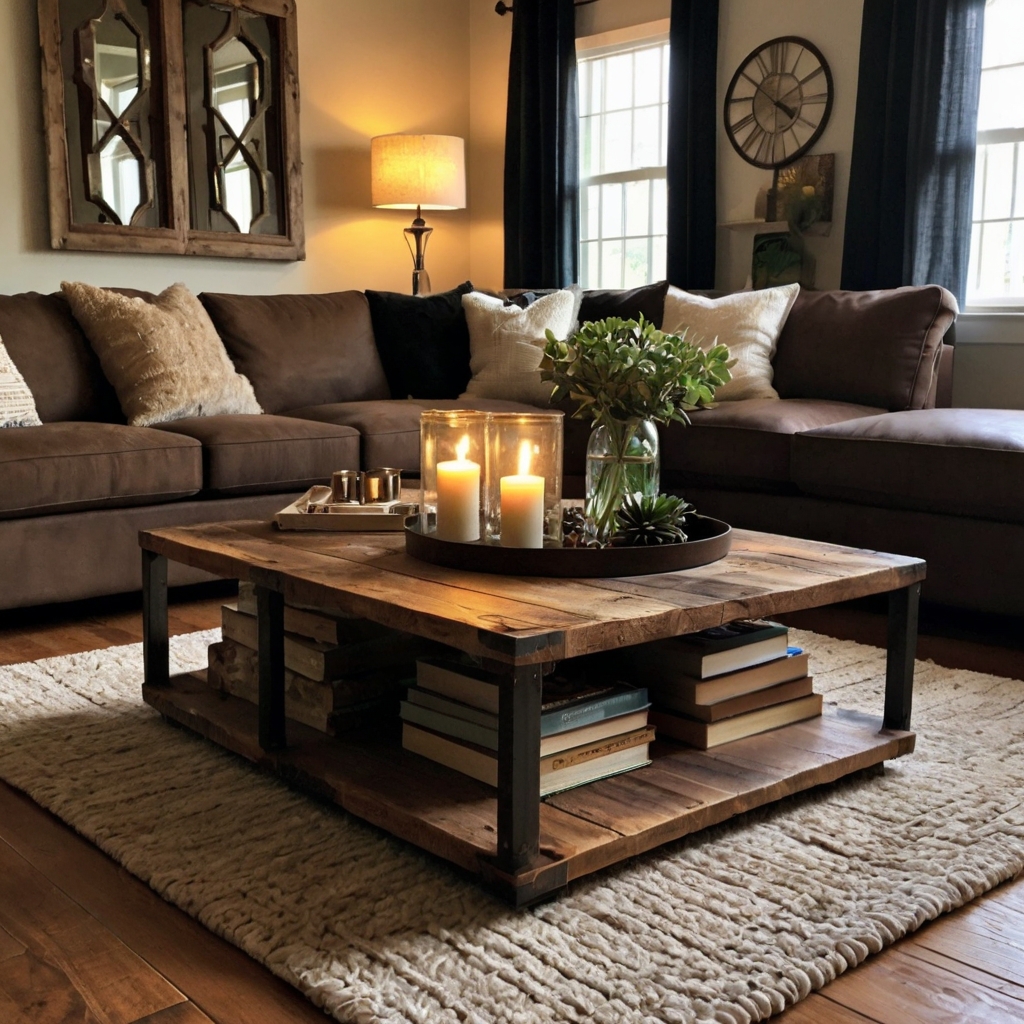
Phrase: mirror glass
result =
(231, 60)
(121, 178)
(235, 94)
(118, 58)
(106, 56)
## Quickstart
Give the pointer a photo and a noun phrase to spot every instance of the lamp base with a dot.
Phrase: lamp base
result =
(416, 237)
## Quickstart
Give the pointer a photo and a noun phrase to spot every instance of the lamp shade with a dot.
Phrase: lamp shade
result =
(428, 171)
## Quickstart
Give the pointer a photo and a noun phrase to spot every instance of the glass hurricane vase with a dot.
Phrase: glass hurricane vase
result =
(622, 458)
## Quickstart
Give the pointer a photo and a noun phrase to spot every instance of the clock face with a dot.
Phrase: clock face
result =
(778, 102)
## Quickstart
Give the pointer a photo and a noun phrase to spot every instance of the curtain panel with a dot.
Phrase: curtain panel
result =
(542, 148)
(908, 214)
(692, 143)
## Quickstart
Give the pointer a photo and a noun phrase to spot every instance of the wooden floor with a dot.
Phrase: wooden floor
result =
(83, 942)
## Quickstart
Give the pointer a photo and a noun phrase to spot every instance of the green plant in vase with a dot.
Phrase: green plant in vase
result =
(627, 376)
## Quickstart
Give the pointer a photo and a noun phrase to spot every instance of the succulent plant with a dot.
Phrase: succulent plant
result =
(650, 520)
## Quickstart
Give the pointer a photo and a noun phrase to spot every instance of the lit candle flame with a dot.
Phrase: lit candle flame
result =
(525, 454)
(462, 448)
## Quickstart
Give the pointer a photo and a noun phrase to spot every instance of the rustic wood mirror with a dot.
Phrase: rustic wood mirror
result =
(172, 126)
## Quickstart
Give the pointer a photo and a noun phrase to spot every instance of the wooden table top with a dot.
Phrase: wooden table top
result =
(528, 619)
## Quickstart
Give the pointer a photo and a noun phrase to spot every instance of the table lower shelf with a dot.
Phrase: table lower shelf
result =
(583, 830)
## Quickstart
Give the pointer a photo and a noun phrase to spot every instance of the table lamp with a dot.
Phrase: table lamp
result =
(418, 172)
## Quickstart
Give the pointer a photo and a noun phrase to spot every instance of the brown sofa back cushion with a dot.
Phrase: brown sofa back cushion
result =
(300, 349)
(56, 360)
(878, 348)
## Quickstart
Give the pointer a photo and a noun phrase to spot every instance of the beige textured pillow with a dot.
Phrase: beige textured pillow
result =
(17, 406)
(506, 344)
(162, 354)
(748, 323)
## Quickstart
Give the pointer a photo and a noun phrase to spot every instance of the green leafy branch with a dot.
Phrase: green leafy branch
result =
(617, 370)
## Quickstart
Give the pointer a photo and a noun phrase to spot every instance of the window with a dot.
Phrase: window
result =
(996, 275)
(623, 102)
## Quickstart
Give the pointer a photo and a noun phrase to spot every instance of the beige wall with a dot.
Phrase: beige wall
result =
(365, 69)
(835, 29)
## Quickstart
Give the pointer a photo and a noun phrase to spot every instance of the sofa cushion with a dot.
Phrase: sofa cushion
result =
(300, 349)
(745, 445)
(626, 303)
(55, 358)
(264, 454)
(161, 353)
(747, 323)
(17, 406)
(877, 348)
(423, 342)
(68, 467)
(390, 431)
(967, 462)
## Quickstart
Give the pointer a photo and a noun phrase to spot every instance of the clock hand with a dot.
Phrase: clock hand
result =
(787, 110)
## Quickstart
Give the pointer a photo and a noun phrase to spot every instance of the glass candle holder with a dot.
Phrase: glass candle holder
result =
(453, 457)
(523, 503)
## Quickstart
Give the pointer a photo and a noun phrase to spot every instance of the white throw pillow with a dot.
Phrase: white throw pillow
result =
(17, 406)
(506, 344)
(748, 323)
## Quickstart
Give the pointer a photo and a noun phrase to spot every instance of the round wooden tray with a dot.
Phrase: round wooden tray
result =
(709, 540)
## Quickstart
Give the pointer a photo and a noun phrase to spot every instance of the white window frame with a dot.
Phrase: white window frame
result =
(991, 137)
(607, 44)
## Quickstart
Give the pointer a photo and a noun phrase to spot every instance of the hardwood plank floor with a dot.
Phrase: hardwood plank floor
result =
(83, 941)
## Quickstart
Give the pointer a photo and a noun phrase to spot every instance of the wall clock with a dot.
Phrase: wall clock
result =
(778, 102)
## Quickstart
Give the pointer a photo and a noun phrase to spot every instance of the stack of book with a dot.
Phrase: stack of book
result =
(726, 683)
(340, 673)
(588, 731)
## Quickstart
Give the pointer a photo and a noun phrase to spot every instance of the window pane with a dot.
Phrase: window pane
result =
(1016, 268)
(611, 210)
(648, 77)
(1004, 40)
(1018, 197)
(664, 72)
(596, 104)
(972, 272)
(999, 181)
(994, 259)
(638, 207)
(646, 150)
(617, 147)
(619, 90)
(589, 265)
(589, 146)
(659, 261)
(590, 212)
(635, 268)
(1000, 104)
(583, 86)
(664, 133)
(979, 181)
(611, 264)
(659, 207)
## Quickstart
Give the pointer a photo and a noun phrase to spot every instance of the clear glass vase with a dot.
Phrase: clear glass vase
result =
(622, 458)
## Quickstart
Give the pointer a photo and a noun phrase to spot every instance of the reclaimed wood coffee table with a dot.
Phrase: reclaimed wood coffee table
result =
(522, 846)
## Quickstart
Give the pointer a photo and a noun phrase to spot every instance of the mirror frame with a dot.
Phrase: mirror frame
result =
(169, 126)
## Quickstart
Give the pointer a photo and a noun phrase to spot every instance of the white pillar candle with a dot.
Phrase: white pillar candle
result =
(458, 497)
(522, 506)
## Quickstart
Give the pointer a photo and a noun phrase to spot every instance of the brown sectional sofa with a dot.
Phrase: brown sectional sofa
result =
(853, 451)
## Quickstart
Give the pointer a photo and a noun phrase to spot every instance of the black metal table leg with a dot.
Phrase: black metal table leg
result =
(270, 638)
(519, 769)
(899, 668)
(155, 649)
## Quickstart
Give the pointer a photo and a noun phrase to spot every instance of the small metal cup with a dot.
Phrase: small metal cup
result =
(380, 485)
(345, 486)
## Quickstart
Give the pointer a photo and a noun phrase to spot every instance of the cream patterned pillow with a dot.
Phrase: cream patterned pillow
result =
(748, 323)
(506, 344)
(17, 406)
(162, 355)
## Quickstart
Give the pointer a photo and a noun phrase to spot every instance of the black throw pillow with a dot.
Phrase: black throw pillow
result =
(626, 303)
(423, 342)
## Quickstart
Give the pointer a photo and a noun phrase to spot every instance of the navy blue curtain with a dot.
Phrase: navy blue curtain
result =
(692, 143)
(541, 148)
(908, 215)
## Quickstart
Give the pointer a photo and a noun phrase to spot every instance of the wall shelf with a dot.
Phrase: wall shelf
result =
(821, 228)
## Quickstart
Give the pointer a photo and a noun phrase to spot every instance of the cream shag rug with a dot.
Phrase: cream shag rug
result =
(731, 925)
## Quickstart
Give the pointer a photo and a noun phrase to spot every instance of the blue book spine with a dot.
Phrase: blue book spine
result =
(574, 715)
